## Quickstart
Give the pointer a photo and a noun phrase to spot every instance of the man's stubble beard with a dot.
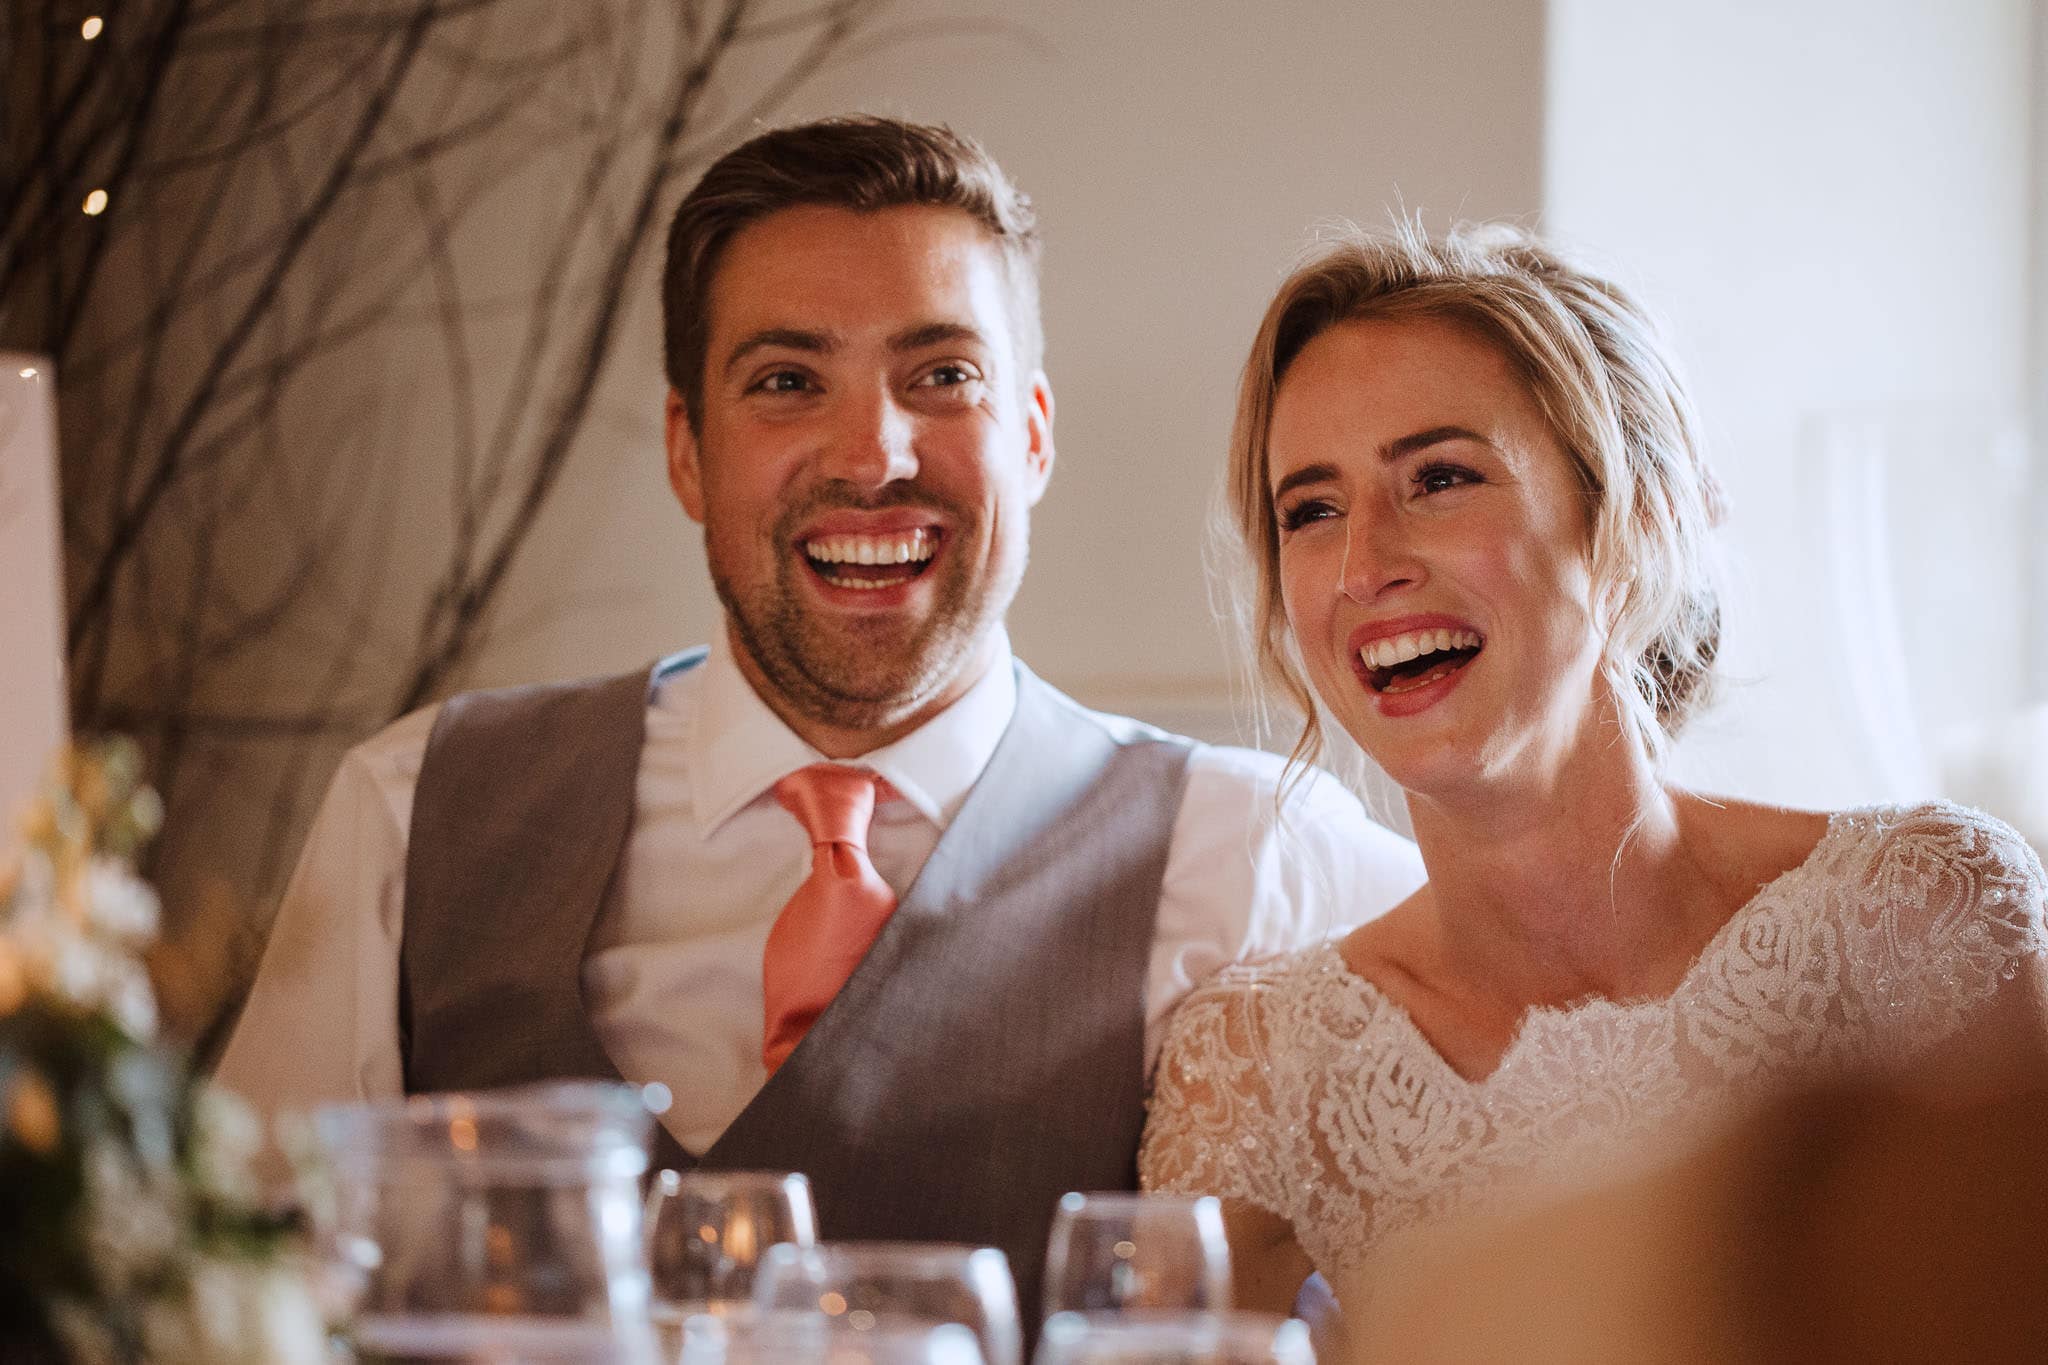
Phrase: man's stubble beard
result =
(853, 673)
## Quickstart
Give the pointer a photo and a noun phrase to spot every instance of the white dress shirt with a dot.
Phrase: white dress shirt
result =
(672, 977)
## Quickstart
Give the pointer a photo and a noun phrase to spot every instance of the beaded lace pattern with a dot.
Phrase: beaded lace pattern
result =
(1295, 1085)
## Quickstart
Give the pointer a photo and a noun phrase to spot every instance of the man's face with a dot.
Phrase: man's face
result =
(865, 464)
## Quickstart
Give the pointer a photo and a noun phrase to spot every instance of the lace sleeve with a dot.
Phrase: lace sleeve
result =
(1211, 1126)
(1953, 909)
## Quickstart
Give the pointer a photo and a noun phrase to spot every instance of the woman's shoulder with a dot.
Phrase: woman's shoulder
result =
(1936, 869)
(1911, 850)
(1271, 1009)
(1747, 845)
(1936, 839)
(1244, 998)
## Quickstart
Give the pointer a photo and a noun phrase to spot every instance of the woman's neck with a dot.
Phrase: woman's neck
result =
(1571, 883)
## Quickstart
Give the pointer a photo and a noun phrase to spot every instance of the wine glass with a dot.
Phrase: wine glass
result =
(1113, 1252)
(1148, 1337)
(871, 1284)
(707, 1232)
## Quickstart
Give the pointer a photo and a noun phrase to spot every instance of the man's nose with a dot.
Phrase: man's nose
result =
(1379, 558)
(874, 443)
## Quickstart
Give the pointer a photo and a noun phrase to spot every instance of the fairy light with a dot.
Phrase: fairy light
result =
(95, 203)
(92, 28)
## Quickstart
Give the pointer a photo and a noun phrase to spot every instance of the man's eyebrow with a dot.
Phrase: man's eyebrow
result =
(933, 334)
(1422, 440)
(787, 338)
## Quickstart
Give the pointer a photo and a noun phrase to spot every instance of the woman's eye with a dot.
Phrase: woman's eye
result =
(1436, 478)
(1301, 514)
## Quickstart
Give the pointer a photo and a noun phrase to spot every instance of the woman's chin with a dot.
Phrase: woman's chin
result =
(1416, 760)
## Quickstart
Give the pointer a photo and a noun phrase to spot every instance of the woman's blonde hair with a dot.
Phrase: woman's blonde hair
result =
(1601, 376)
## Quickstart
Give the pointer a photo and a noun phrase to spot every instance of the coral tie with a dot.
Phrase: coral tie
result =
(825, 930)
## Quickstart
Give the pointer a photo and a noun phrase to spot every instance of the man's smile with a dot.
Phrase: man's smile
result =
(870, 561)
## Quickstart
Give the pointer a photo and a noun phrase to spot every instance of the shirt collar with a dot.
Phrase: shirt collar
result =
(739, 748)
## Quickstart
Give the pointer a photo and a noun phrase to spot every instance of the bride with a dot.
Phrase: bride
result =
(1471, 485)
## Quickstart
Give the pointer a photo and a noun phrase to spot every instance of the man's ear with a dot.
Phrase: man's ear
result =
(684, 473)
(1038, 453)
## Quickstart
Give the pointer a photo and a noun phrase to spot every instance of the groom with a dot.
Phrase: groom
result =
(854, 889)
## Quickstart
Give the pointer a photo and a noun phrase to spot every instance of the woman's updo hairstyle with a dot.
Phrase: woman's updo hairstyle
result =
(1605, 382)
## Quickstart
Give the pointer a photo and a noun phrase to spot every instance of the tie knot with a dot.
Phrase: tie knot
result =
(833, 803)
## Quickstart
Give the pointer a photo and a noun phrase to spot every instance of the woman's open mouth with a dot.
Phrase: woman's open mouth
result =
(869, 562)
(1404, 663)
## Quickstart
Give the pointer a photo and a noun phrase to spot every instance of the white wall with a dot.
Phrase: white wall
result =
(1178, 153)
(2037, 353)
(1829, 202)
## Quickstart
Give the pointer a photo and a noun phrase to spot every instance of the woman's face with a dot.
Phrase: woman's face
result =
(1433, 554)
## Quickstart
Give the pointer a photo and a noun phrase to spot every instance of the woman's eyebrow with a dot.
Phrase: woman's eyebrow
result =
(1422, 440)
(1308, 473)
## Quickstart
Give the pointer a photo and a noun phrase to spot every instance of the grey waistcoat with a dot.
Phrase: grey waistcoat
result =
(985, 1057)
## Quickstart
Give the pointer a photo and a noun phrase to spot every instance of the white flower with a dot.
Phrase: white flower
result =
(133, 1000)
(118, 903)
(80, 970)
(226, 1140)
(134, 1226)
(239, 1313)
(287, 1325)
(94, 976)
(38, 884)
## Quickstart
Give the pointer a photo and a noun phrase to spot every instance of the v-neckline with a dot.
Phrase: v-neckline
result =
(1539, 1017)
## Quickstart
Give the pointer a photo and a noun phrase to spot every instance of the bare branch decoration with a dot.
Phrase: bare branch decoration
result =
(329, 348)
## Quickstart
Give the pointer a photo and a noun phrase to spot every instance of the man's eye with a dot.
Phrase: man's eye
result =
(948, 376)
(1301, 514)
(1436, 478)
(783, 381)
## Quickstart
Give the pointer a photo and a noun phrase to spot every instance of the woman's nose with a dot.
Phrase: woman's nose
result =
(1378, 560)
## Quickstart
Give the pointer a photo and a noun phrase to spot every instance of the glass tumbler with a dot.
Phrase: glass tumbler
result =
(493, 1226)
(884, 1284)
(706, 1233)
(1118, 1251)
(812, 1338)
(1159, 1338)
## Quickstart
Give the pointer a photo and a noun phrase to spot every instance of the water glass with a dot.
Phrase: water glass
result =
(1113, 1252)
(499, 1225)
(1155, 1338)
(812, 1338)
(871, 1284)
(707, 1231)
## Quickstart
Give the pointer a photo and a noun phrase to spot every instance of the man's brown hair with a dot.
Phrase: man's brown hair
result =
(857, 162)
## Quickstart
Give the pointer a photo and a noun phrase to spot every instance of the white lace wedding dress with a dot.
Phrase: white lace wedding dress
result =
(1297, 1086)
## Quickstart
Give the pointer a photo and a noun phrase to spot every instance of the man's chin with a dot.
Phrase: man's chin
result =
(884, 687)
(861, 672)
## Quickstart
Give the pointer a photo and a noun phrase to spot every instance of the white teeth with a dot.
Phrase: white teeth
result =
(910, 547)
(1399, 649)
